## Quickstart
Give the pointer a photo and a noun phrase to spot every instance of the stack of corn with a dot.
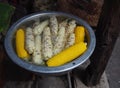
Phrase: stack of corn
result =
(51, 42)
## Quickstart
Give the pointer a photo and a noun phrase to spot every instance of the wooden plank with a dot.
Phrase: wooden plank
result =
(106, 35)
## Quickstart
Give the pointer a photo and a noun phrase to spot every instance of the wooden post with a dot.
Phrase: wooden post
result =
(106, 35)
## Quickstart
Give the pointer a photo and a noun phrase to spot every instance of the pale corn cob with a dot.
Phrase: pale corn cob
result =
(71, 40)
(63, 23)
(60, 25)
(29, 40)
(37, 59)
(35, 24)
(70, 28)
(53, 28)
(59, 43)
(47, 44)
(39, 28)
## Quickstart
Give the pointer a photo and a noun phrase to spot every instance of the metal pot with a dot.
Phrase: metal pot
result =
(10, 47)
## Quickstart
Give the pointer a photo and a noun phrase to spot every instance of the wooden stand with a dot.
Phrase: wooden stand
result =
(106, 34)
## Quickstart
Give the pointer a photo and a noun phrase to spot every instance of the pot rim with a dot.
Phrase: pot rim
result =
(44, 69)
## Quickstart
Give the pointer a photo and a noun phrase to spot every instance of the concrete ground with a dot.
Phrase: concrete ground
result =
(113, 67)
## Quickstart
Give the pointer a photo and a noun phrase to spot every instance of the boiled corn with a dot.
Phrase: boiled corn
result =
(71, 40)
(70, 28)
(67, 55)
(36, 23)
(29, 40)
(53, 28)
(39, 28)
(59, 43)
(20, 49)
(47, 44)
(79, 34)
(37, 58)
(63, 23)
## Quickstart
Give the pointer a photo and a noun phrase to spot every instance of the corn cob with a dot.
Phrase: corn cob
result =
(70, 28)
(47, 44)
(67, 55)
(29, 40)
(71, 40)
(59, 43)
(63, 23)
(37, 51)
(36, 23)
(60, 40)
(39, 28)
(79, 34)
(20, 49)
(54, 27)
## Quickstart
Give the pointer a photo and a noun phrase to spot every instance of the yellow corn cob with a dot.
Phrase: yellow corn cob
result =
(79, 34)
(20, 36)
(67, 55)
